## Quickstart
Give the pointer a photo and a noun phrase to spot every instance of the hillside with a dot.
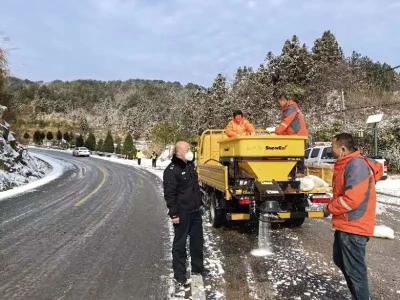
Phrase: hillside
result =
(336, 93)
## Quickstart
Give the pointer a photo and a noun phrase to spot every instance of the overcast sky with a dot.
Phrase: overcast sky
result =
(181, 40)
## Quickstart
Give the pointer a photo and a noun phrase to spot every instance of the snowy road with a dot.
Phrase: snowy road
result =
(99, 231)
(301, 267)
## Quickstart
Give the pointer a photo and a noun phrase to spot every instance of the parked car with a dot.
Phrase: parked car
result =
(81, 151)
(321, 154)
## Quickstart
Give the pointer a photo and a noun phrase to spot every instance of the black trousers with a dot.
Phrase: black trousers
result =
(190, 225)
(139, 160)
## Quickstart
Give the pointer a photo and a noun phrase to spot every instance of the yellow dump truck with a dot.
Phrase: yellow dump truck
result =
(246, 177)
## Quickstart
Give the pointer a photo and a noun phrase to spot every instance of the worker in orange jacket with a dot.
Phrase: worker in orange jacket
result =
(353, 211)
(239, 125)
(292, 119)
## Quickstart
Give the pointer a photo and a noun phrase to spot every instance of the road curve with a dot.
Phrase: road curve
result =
(97, 232)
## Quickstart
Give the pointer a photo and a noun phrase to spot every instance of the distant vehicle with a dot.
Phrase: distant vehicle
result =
(81, 151)
(321, 155)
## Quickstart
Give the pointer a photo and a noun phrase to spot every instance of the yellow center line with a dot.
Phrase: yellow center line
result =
(83, 200)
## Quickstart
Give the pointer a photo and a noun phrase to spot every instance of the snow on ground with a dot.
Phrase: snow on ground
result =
(383, 231)
(18, 167)
(57, 169)
(389, 191)
(292, 269)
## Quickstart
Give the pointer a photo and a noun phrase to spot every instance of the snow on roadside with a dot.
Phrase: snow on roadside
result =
(58, 168)
(302, 274)
(390, 191)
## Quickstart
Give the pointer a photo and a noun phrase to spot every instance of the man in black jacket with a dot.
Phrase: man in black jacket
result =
(182, 194)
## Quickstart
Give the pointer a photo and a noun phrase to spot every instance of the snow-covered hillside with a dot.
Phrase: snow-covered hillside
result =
(17, 166)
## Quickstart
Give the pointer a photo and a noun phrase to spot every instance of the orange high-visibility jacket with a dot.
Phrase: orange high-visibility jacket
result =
(354, 196)
(293, 122)
(237, 129)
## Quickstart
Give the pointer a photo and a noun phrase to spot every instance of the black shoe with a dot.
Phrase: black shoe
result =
(180, 282)
(204, 273)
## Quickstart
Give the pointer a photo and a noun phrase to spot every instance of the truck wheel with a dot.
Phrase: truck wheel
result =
(217, 213)
(292, 223)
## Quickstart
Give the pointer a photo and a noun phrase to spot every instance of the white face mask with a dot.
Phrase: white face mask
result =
(189, 156)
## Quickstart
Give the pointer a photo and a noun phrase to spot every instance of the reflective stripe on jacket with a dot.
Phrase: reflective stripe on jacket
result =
(354, 196)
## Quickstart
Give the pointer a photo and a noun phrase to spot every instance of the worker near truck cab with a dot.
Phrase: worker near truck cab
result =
(183, 198)
(239, 125)
(292, 119)
(353, 211)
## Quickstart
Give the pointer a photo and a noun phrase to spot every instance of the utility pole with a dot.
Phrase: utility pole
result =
(343, 108)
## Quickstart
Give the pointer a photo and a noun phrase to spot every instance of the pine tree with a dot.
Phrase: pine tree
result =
(49, 136)
(83, 125)
(295, 64)
(326, 49)
(79, 142)
(66, 137)
(109, 143)
(42, 137)
(90, 142)
(59, 135)
(37, 137)
(217, 105)
(118, 149)
(100, 145)
(128, 148)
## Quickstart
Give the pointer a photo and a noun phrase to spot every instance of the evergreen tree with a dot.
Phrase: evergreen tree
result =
(42, 137)
(118, 149)
(79, 142)
(326, 49)
(100, 145)
(37, 137)
(83, 125)
(295, 64)
(67, 137)
(90, 142)
(129, 148)
(163, 133)
(59, 136)
(109, 143)
(49, 136)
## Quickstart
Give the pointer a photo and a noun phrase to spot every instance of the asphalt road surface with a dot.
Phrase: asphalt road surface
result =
(97, 232)
(301, 266)
(100, 232)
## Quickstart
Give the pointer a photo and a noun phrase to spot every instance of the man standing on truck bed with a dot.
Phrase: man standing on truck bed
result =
(353, 211)
(182, 194)
(239, 125)
(292, 119)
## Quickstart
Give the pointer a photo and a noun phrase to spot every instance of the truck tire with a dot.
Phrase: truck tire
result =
(217, 212)
(292, 223)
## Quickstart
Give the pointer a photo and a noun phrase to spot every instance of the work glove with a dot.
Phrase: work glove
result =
(270, 130)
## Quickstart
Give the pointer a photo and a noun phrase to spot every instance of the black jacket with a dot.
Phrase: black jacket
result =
(181, 188)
